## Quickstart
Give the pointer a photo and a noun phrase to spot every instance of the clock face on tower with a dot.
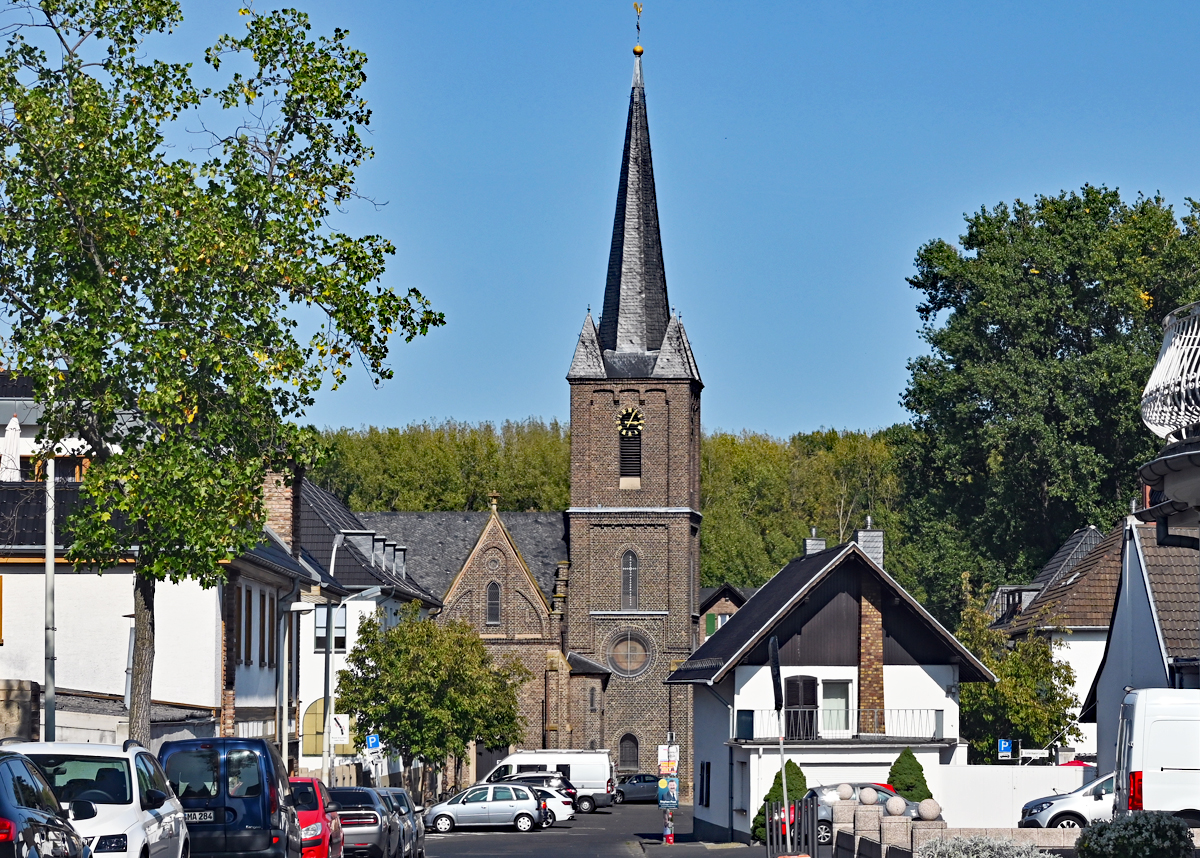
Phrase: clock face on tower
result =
(630, 422)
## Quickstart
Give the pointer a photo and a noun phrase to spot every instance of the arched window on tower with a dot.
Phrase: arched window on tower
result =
(629, 581)
(629, 753)
(493, 604)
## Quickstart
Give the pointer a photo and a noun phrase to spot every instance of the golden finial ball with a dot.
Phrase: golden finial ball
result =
(637, 50)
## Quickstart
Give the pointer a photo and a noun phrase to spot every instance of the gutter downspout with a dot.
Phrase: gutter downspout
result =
(728, 706)
(1163, 535)
(283, 674)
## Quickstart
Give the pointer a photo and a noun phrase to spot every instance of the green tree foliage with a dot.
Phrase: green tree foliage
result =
(449, 466)
(1032, 701)
(761, 495)
(1043, 325)
(154, 300)
(907, 777)
(429, 688)
(797, 787)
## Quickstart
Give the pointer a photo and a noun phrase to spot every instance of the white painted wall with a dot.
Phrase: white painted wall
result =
(1084, 650)
(992, 796)
(710, 729)
(924, 686)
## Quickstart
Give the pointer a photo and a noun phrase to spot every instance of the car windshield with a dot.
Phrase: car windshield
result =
(351, 797)
(306, 796)
(194, 773)
(73, 777)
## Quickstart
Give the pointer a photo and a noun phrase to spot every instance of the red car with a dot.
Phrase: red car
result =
(320, 828)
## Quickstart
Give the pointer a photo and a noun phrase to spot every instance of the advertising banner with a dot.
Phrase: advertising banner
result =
(668, 792)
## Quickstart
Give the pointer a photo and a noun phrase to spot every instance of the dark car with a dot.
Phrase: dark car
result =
(369, 827)
(30, 814)
(639, 787)
(415, 814)
(320, 828)
(544, 779)
(236, 797)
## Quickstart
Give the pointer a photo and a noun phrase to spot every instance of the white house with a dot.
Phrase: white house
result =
(866, 673)
(1153, 640)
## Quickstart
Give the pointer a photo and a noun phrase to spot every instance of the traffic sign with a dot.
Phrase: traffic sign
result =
(373, 742)
(340, 734)
(1034, 753)
(1004, 749)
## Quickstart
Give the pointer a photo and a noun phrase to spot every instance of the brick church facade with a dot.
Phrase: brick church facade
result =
(599, 601)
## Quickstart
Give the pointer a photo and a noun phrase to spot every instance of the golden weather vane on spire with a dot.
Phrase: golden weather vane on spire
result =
(637, 49)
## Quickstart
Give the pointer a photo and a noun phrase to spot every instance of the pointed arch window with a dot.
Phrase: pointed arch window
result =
(629, 581)
(493, 604)
(629, 753)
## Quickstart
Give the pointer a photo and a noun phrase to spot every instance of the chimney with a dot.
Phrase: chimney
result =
(401, 565)
(870, 540)
(282, 502)
(377, 551)
(389, 557)
(813, 544)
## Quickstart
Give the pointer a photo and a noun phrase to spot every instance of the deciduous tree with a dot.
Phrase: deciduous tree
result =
(154, 299)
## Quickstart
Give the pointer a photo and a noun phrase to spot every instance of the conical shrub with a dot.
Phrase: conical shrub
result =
(907, 777)
(797, 787)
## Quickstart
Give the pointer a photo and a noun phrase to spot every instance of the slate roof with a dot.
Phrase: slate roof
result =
(1080, 594)
(711, 595)
(321, 516)
(774, 600)
(1176, 589)
(439, 542)
(1078, 545)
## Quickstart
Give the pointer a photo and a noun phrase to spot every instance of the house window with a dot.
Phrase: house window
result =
(629, 581)
(236, 633)
(722, 619)
(339, 629)
(493, 604)
(248, 653)
(271, 650)
(262, 629)
(592, 699)
(835, 709)
(800, 707)
(629, 753)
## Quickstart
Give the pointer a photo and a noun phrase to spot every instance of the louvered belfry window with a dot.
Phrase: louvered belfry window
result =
(493, 604)
(629, 581)
(631, 454)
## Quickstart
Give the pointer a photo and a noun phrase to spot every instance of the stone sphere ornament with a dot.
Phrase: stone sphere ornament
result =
(868, 796)
(845, 792)
(896, 806)
(929, 810)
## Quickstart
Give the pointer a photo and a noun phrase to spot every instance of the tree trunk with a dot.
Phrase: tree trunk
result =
(143, 659)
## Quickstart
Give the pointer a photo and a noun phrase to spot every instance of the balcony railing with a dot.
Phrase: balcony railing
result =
(1171, 401)
(801, 725)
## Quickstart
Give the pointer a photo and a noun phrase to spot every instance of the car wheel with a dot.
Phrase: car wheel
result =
(824, 832)
(1068, 820)
(618, 797)
(587, 804)
(549, 821)
(524, 822)
(443, 825)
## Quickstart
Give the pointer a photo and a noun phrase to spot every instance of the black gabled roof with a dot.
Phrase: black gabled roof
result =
(709, 596)
(321, 516)
(775, 600)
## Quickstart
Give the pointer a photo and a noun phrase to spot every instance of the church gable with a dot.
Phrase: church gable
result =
(496, 592)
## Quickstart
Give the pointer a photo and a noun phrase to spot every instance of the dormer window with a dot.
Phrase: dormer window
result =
(629, 429)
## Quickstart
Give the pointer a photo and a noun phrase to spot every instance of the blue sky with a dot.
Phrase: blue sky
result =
(802, 152)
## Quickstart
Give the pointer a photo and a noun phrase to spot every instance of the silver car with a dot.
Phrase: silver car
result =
(501, 804)
(1092, 802)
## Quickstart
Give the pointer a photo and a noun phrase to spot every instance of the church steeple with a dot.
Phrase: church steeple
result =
(639, 336)
(636, 311)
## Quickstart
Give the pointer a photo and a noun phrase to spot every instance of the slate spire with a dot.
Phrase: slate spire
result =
(636, 311)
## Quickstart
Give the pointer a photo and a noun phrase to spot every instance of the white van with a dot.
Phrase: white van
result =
(590, 772)
(1158, 753)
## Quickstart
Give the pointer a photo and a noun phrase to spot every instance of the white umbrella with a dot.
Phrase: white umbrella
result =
(10, 453)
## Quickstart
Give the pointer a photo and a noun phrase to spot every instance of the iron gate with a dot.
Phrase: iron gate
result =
(794, 832)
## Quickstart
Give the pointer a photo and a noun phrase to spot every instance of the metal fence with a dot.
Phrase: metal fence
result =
(813, 724)
(793, 830)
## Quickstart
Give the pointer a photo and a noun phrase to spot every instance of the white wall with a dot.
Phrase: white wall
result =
(710, 729)
(992, 796)
(923, 686)
(1083, 650)
(754, 689)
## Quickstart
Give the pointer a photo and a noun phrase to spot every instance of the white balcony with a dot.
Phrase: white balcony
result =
(1171, 400)
(831, 725)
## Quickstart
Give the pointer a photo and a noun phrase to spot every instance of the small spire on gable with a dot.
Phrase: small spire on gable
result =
(588, 362)
(494, 497)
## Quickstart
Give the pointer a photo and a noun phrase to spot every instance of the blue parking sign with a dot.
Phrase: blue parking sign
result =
(373, 742)
(1004, 749)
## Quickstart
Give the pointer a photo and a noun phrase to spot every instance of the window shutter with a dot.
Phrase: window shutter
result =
(810, 693)
(631, 455)
(710, 623)
(791, 692)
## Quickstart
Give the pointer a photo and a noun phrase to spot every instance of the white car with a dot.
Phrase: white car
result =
(561, 806)
(138, 814)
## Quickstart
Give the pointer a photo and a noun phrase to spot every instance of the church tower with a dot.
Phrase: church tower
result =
(634, 525)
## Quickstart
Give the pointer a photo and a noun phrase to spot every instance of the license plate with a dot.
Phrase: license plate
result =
(198, 816)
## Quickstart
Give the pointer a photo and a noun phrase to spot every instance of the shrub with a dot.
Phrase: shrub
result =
(797, 787)
(978, 847)
(907, 777)
(1138, 835)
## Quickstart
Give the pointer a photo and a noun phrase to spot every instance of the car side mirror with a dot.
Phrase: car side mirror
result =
(155, 798)
(81, 809)
(332, 807)
(420, 808)
(1098, 796)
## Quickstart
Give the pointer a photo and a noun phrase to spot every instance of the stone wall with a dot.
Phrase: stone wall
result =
(20, 709)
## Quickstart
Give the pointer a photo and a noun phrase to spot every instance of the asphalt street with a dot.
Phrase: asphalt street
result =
(616, 831)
